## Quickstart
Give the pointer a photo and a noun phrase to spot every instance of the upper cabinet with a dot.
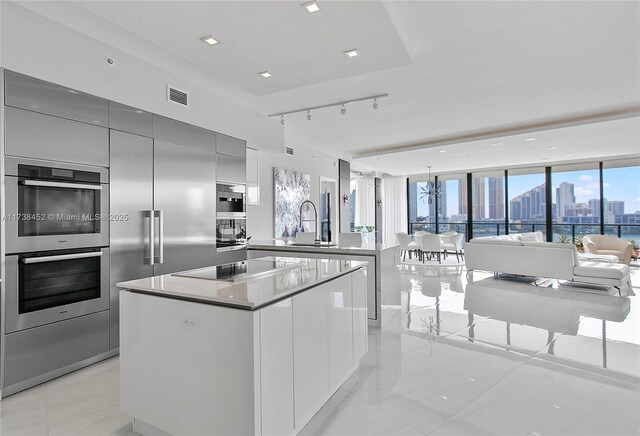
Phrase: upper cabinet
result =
(39, 136)
(176, 132)
(38, 96)
(130, 120)
(231, 169)
(231, 146)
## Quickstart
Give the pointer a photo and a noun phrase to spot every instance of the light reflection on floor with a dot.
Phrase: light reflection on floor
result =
(455, 355)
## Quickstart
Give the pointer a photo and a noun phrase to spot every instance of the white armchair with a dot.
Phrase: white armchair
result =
(609, 245)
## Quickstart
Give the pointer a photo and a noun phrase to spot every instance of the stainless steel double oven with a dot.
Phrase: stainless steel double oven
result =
(57, 237)
(231, 217)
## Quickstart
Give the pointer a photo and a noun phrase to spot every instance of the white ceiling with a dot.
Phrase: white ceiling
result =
(451, 69)
(587, 142)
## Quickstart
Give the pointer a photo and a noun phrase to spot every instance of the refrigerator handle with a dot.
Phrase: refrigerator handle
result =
(160, 215)
(150, 258)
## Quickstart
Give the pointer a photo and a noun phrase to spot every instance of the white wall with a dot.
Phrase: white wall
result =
(72, 55)
(260, 218)
(39, 47)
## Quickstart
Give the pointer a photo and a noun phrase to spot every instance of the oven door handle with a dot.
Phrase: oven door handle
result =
(61, 185)
(56, 258)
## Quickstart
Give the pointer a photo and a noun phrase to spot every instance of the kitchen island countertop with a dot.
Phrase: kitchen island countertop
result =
(287, 277)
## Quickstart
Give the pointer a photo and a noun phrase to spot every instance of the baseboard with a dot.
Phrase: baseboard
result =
(26, 384)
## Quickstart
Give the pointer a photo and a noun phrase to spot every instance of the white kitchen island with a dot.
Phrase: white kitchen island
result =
(255, 347)
(382, 265)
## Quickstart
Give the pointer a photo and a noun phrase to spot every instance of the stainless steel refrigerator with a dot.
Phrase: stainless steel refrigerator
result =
(166, 190)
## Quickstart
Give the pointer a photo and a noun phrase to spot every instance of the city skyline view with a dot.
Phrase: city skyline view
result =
(620, 185)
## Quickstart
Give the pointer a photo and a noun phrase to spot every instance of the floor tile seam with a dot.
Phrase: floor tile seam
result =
(386, 412)
(487, 390)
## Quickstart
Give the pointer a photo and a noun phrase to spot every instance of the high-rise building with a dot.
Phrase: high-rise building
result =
(413, 202)
(529, 205)
(564, 197)
(595, 206)
(577, 209)
(478, 197)
(496, 198)
(616, 207)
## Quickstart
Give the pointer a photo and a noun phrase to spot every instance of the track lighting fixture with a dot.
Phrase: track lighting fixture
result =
(282, 119)
(342, 104)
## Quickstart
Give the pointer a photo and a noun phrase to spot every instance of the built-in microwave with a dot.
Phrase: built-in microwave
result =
(52, 286)
(55, 205)
(231, 200)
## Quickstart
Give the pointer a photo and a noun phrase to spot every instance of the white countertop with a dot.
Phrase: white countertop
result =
(292, 276)
(366, 248)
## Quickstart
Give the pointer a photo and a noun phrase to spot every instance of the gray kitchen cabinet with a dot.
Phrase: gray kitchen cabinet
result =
(130, 120)
(231, 169)
(176, 132)
(39, 136)
(231, 146)
(44, 97)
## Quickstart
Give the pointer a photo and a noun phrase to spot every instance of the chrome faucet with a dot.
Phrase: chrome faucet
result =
(315, 216)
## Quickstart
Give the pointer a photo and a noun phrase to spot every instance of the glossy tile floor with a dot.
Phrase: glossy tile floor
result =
(454, 357)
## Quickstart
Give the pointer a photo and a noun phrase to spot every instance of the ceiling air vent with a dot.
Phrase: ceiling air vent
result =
(177, 96)
(289, 151)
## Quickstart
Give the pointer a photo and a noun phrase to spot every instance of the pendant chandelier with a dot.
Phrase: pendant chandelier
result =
(432, 190)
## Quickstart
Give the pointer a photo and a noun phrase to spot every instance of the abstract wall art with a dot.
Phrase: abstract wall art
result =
(291, 189)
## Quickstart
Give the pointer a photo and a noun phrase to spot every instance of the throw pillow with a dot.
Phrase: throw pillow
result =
(528, 237)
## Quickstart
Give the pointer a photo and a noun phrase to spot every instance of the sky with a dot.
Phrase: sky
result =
(619, 184)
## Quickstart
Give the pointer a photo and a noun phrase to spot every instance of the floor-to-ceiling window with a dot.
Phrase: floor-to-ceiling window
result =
(575, 190)
(362, 212)
(452, 207)
(488, 204)
(421, 206)
(527, 200)
(621, 183)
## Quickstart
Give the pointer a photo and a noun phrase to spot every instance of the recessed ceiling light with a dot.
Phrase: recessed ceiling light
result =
(443, 151)
(209, 40)
(552, 148)
(265, 74)
(138, 111)
(531, 139)
(380, 159)
(546, 158)
(352, 53)
(311, 7)
(495, 144)
(72, 91)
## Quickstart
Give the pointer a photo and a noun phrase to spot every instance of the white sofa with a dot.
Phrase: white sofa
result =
(608, 245)
(515, 254)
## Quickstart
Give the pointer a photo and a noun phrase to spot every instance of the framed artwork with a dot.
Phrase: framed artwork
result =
(291, 189)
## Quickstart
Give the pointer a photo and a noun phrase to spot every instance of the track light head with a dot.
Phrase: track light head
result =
(309, 115)
(375, 103)
(343, 110)
(282, 119)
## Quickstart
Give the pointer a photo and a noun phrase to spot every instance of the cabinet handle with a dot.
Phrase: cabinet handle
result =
(160, 215)
(149, 260)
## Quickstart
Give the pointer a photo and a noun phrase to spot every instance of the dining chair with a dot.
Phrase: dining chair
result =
(454, 244)
(406, 245)
(430, 246)
(350, 239)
